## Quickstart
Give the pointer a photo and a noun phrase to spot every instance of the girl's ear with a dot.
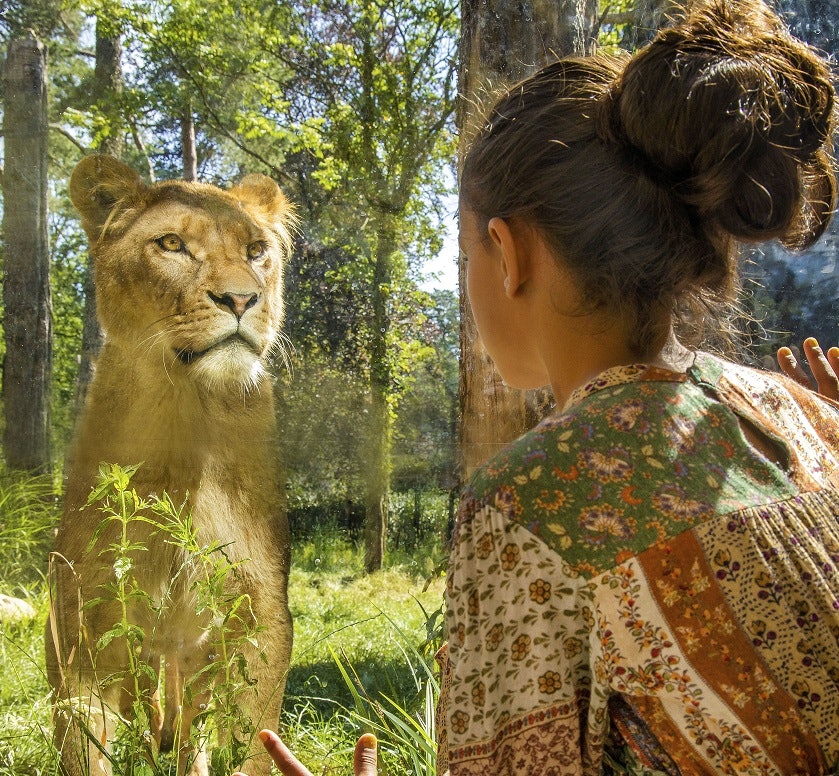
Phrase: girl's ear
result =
(511, 242)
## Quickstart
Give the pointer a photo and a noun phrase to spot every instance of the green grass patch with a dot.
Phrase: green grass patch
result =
(25, 734)
(28, 510)
(362, 660)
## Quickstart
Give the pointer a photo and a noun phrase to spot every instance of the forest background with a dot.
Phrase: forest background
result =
(353, 107)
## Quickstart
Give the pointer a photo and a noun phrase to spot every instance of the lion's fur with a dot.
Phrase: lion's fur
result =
(181, 388)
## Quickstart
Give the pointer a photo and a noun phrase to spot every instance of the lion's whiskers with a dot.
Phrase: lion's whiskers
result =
(283, 348)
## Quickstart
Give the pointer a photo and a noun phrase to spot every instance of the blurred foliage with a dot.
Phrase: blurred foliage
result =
(789, 298)
(282, 89)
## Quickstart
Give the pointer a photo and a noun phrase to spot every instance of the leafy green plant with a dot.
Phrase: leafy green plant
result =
(206, 569)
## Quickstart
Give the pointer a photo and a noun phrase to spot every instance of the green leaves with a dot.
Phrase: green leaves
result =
(112, 486)
(128, 522)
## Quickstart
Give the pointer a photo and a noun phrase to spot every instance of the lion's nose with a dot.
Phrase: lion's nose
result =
(236, 303)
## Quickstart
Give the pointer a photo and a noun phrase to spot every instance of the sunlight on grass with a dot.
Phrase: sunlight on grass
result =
(360, 652)
(24, 701)
(329, 607)
(361, 659)
(27, 517)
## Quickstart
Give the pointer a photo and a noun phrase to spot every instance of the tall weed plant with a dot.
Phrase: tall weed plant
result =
(205, 568)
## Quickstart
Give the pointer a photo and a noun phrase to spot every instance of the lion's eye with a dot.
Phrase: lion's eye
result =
(171, 242)
(256, 250)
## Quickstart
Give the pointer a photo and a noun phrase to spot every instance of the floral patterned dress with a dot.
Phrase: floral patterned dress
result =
(634, 587)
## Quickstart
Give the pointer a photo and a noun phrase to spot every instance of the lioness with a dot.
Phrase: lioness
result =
(189, 295)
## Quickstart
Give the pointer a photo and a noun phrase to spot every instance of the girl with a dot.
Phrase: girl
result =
(648, 581)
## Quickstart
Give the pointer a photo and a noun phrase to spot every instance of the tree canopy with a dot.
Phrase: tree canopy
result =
(350, 106)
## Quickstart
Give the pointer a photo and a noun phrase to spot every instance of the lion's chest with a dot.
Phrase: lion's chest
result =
(218, 508)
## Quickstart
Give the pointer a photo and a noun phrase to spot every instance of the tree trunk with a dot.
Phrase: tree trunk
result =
(377, 481)
(107, 88)
(190, 153)
(377, 478)
(501, 42)
(647, 17)
(27, 368)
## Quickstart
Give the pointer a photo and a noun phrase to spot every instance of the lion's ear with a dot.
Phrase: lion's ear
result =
(263, 193)
(99, 184)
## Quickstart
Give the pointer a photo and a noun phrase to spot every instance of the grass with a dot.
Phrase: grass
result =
(27, 517)
(361, 652)
(362, 658)
(24, 703)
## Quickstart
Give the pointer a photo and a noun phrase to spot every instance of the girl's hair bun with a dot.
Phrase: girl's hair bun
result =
(735, 116)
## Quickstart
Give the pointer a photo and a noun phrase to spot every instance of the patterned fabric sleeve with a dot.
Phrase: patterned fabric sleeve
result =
(441, 712)
(522, 698)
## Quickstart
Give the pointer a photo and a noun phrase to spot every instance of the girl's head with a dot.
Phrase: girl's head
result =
(642, 173)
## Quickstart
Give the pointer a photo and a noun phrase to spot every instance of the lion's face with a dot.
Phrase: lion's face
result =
(188, 276)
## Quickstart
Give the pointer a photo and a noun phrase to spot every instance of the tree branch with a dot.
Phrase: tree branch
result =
(219, 124)
(66, 133)
(141, 147)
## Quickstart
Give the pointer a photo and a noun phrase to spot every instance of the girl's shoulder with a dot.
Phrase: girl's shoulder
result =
(626, 466)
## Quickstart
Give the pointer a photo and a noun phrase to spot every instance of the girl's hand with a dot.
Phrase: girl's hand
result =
(365, 760)
(824, 368)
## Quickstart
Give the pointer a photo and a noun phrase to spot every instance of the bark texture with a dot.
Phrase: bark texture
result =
(502, 42)
(27, 367)
(107, 88)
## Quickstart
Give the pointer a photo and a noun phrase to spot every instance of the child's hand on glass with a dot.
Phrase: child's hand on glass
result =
(365, 759)
(824, 368)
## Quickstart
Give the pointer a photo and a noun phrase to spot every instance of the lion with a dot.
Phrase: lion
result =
(188, 284)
